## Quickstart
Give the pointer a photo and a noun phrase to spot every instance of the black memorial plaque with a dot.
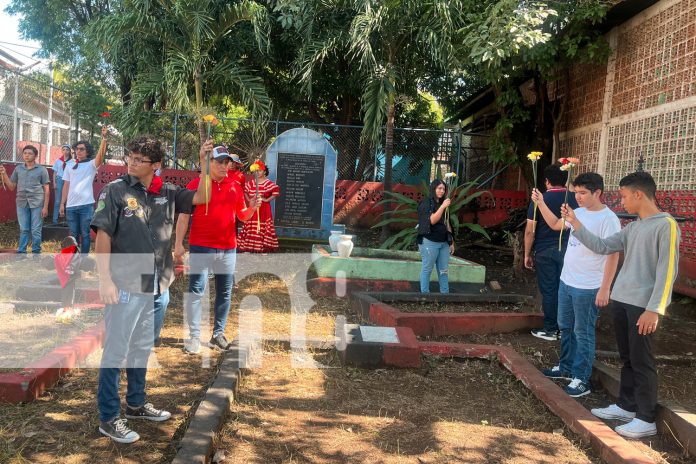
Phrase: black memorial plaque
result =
(301, 181)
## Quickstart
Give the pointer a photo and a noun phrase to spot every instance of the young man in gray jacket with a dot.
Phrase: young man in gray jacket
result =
(642, 292)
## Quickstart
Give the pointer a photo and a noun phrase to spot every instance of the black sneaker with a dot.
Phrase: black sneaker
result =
(219, 342)
(555, 373)
(117, 429)
(541, 333)
(147, 412)
(577, 388)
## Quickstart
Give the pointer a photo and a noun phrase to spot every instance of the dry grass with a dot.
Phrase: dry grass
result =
(448, 411)
(9, 238)
(25, 338)
(61, 426)
(662, 448)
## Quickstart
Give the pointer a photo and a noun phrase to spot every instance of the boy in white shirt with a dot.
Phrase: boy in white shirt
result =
(585, 283)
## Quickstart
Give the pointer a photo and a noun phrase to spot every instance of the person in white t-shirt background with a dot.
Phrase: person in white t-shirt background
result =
(58, 169)
(585, 283)
(77, 202)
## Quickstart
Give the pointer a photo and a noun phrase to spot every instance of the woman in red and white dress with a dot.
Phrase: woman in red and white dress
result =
(258, 234)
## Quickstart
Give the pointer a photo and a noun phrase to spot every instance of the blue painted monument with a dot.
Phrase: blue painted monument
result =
(303, 164)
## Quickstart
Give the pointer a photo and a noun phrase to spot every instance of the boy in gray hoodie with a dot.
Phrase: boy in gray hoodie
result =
(642, 292)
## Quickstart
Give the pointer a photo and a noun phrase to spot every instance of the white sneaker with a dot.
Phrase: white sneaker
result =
(637, 429)
(613, 412)
(192, 346)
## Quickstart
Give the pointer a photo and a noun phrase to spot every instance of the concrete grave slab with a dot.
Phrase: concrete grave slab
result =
(357, 351)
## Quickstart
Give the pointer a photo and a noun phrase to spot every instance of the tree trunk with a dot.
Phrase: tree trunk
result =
(363, 162)
(388, 154)
(558, 114)
(518, 253)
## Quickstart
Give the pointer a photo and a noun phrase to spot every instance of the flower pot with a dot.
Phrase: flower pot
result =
(334, 238)
(345, 246)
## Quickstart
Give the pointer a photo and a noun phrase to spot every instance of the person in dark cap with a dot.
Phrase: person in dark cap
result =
(213, 247)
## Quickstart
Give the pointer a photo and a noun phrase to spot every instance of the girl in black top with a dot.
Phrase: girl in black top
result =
(434, 239)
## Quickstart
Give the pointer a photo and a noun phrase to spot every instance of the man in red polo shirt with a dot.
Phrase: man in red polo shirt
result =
(213, 247)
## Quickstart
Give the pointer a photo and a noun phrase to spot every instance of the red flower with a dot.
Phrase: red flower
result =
(257, 166)
(106, 114)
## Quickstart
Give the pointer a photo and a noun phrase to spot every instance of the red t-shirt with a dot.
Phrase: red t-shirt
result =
(218, 228)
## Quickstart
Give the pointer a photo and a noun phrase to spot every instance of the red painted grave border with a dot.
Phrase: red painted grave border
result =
(426, 324)
(29, 383)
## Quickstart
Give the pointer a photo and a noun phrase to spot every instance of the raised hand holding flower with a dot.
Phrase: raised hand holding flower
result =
(567, 164)
(534, 157)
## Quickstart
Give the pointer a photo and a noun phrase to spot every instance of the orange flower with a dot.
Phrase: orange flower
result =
(210, 119)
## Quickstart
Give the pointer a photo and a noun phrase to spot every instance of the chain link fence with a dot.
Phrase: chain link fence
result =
(33, 112)
(416, 156)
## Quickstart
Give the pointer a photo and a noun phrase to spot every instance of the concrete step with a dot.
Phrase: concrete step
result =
(45, 292)
(28, 307)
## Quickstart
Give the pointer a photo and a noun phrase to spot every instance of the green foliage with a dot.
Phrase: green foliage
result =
(515, 42)
(504, 29)
(183, 42)
(406, 213)
(421, 111)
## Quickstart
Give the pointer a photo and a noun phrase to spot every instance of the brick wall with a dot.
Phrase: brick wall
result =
(648, 107)
(642, 102)
(585, 96)
(655, 61)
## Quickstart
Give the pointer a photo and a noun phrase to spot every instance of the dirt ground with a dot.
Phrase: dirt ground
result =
(427, 307)
(544, 354)
(61, 426)
(448, 411)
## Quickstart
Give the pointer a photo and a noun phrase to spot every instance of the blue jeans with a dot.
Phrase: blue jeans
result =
(434, 254)
(548, 264)
(79, 218)
(203, 260)
(577, 317)
(30, 223)
(161, 303)
(56, 198)
(128, 339)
